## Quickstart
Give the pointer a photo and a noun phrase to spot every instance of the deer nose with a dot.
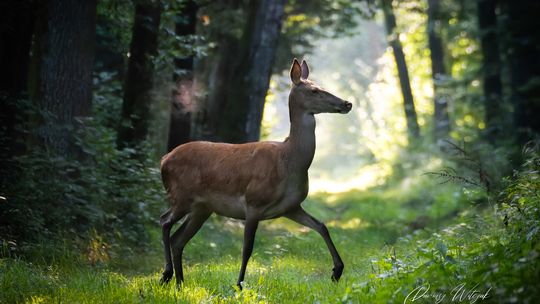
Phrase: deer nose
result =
(347, 106)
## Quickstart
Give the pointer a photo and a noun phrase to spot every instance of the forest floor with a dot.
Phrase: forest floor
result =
(290, 263)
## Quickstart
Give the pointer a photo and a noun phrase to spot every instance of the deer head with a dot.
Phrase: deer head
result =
(310, 97)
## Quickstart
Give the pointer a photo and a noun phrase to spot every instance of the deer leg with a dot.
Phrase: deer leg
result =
(182, 236)
(249, 238)
(302, 217)
(167, 220)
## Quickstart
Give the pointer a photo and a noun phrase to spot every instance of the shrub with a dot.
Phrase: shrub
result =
(112, 193)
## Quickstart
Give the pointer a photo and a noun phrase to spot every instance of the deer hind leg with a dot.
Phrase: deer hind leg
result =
(167, 220)
(183, 235)
(303, 218)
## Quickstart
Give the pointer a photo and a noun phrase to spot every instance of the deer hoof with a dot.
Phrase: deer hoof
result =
(166, 277)
(336, 272)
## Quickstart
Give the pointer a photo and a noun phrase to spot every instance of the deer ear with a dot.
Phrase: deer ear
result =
(296, 72)
(305, 70)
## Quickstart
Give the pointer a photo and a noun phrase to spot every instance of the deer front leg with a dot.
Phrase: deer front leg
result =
(303, 218)
(249, 239)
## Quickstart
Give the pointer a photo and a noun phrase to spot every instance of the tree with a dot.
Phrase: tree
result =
(413, 130)
(491, 70)
(218, 116)
(524, 65)
(61, 71)
(183, 95)
(243, 113)
(214, 72)
(438, 71)
(133, 128)
(113, 36)
(16, 30)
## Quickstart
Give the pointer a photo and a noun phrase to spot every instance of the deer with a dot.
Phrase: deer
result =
(253, 181)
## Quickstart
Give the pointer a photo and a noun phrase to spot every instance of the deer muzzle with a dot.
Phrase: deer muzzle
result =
(345, 107)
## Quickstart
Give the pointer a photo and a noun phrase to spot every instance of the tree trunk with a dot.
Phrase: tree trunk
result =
(487, 21)
(413, 130)
(61, 75)
(438, 70)
(214, 73)
(133, 128)
(16, 28)
(221, 76)
(243, 112)
(524, 60)
(183, 95)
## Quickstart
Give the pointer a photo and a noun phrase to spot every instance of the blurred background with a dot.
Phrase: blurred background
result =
(93, 93)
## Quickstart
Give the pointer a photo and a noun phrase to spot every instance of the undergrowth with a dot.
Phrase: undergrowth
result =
(488, 255)
(413, 241)
(101, 199)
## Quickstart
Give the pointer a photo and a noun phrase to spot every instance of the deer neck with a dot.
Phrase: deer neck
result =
(301, 139)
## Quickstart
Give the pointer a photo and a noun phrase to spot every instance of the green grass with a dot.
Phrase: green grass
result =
(290, 263)
(385, 258)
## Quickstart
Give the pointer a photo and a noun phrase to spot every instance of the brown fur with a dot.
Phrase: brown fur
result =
(253, 170)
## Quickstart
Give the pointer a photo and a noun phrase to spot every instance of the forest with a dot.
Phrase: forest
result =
(429, 186)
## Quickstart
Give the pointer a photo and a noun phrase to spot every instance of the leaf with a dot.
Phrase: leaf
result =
(441, 248)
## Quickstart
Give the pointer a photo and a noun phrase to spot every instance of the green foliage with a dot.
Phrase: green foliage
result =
(489, 252)
(289, 263)
(305, 22)
(125, 188)
(173, 46)
(113, 34)
(494, 252)
(99, 188)
(479, 166)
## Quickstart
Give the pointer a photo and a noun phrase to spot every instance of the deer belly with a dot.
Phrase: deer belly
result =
(279, 209)
(233, 206)
(292, 199)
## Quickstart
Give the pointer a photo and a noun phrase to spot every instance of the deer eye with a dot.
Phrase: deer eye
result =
(314, 91)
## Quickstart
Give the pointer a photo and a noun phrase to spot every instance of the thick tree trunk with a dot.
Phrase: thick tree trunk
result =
(61, 77)
(243, 112)
(262, 53)
(524, 65)
(133, 128)
(183, 94)
(413, 130)
(487, 21)
(438, 70)
(16, 28)
(214, 74)
(220, 87)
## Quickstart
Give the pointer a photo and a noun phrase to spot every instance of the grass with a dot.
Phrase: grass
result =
(290, 263)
